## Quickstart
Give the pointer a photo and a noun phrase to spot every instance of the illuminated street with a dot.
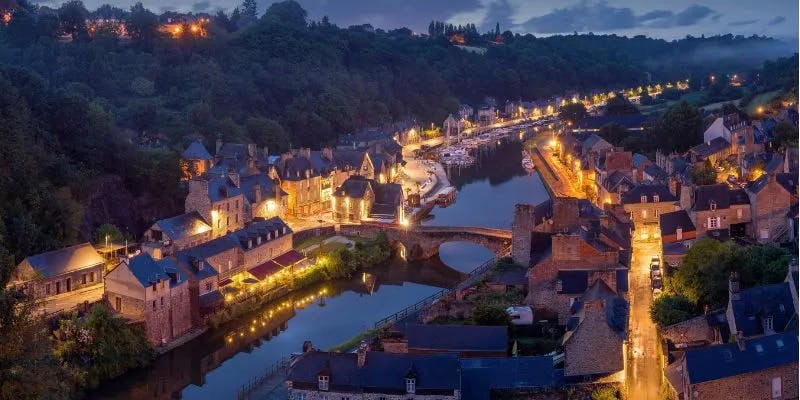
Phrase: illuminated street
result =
(644, 372)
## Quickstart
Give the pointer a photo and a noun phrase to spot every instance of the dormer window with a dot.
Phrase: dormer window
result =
(767, 322)
(411, 385)
(655, 198)
(713, 205)
(644, 199)
(322, 382)
(559, 286)
(679, 233)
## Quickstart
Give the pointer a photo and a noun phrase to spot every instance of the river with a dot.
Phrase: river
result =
(217, 363)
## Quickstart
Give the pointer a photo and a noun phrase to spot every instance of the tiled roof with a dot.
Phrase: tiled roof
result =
(670, 222)
(62, 261)
(148, 271)
(382, 372)
(634, 195)
(196, 151)
(760, 302)
(183, 225)
(727, 360)
(466, 338)
(479, 376)
(704, 195)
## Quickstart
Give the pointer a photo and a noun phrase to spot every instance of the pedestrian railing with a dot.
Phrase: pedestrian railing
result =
(275, 370)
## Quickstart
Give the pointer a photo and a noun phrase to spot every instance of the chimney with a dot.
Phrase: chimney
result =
(251, 150)
(306, 152)
(706, 309)
(265, 152)
(257, 192)
(733, 286)
(328, 153)
(307, 346)
(740, 341)
(362, 353)
(219, 146)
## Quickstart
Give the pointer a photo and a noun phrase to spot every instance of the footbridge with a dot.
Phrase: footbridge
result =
(422, 242)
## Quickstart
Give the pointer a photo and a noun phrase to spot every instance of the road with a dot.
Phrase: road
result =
(567, 184)
(643, 370)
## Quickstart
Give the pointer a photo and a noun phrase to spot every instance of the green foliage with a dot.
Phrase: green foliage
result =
(613, 133)
(488, 313)
(785, 136)
(670, 309)
(108, 233)
(573, 112)
(100, 346)
(703, 276)
(620, 105)
(677, 130)
(605, 393)
(706, 175)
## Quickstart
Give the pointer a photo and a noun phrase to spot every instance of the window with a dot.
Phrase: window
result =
(162, 301)
(713, 205)
(154, 305)
(655, 198)
(58, 287)
(643, 199)
(300, 396)
(322, 382)
(713, 223)
(83, 279)
(776, 388)
(227, 221)
(219, 223)
(411, 385)
(237, 204)
(739, 213)
(764, 234)
(91, 277)
(236, 218)
(227, 206)
(559, 286)
(47, 289)
(154, 287)
(118, 304)
(679, 233)
(209, 286)
(768, 325)
(644, 214)
(163, 284)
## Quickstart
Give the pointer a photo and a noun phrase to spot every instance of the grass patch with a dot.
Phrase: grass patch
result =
(351, 343)
(310, 241)
(762, 99)
(535, 346)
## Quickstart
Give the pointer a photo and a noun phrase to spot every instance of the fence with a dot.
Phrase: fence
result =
(412, 310)
(279, 367)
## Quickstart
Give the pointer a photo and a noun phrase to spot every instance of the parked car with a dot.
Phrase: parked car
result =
(657, 286)
(655, 274)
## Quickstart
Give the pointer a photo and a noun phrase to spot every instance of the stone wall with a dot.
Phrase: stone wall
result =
(167, 312)
(78, 280)
(521, 232)
(769, 209)
(755, 385)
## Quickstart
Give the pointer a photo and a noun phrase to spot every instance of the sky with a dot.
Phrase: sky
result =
(661, 19)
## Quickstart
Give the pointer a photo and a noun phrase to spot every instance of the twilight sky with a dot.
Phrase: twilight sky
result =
(663, 19)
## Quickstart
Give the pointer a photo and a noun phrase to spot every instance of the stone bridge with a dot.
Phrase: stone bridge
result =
(422, 242)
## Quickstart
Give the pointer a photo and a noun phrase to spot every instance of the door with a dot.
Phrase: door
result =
(776, 388)
(58, 287)
(69, 284)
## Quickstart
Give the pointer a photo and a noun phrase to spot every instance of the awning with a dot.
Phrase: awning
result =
(224, 282)
(264, 270)
(289, 258)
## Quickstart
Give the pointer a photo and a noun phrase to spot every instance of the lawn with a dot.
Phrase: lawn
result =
(761, 100)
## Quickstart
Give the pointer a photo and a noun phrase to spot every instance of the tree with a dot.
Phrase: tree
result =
(764, 265)
(645, 99)
(267, 132)
(605, 393)
(680, 128)
(706, 175)
(785, 134)
(620, 105)
(21, 30)
(703, 275)
(613, 133)
(488, 313)
(108, 233)
(670, 309)
(142, 25)
(573, 112)
(73, 15)
(287, 13)
(249, 9)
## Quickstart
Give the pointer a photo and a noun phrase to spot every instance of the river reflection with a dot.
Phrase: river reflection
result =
(216, 364)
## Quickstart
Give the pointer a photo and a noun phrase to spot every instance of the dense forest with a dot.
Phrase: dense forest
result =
(92, 120)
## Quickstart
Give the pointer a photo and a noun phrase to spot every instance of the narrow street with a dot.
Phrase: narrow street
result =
(643, 373)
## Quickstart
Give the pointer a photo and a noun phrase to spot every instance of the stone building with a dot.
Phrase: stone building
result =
(318, 375)
(771, 197)
(264, 197)
(60, 271)
(762, 310)
(170, 235)
(596, 333)
(486, 115)
(465, 341)
(301, 182)
(677, 236)
(197, 160)
(219, 200)
(155, 292)
(360, 199)
(759, 368)
(645, 203)
(716, 210)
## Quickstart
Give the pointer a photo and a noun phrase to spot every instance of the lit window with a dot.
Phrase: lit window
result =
(323, 381)
(644, 214)
(656, 198)
(713, 223)
(644, 199)
(713, 205)
(679, 233)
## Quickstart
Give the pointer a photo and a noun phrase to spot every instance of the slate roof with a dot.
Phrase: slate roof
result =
(634, 195)
(510, 277)
(196, 151)
(260, 227)
(787, 180)
(148, 271)
(670, 222)
(656, 172)
(616, 179)
(183, 225)
(675, 248)
(221, 188)
(62, 261)
(268, 187)
(480, 375)
(639, 159)
(704, 195)
(294, 168)
(382, 372)
(354, 187)
(457, 338)
(617, 310)
(739, 197)
(726, 360)
(763, 301)
(716, 145)
(348, 159)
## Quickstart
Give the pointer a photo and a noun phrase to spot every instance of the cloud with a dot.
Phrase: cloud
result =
(497, 12)
(201, 6)
(716, 17)
(743, 22)
(777, 20)
(600, 16)
(582, 17)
